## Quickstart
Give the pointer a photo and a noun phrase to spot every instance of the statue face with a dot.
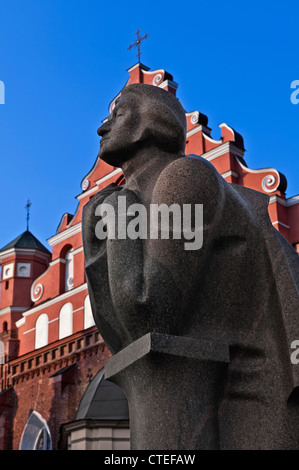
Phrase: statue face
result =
(144, 116)
(120, 133)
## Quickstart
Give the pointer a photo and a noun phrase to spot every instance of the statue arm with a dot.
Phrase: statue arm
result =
(96, 268)
(153, 281)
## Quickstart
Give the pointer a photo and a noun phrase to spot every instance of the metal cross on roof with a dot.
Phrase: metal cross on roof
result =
(138, 42)
(27, 207)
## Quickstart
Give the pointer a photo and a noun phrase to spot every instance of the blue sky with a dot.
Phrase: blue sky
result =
(62, 62)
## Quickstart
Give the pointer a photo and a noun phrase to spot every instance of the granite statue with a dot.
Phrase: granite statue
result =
(200, 338)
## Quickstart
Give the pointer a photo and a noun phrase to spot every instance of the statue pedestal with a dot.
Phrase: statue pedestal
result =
(172, 384)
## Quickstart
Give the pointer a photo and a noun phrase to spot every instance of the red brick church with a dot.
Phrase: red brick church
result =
(52, 391)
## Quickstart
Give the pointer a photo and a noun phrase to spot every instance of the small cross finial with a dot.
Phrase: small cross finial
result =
(137, 43)
(27, 207)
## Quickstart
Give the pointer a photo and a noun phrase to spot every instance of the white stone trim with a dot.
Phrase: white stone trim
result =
(98, 182)
(21, 251)
(107, 177)
(280, 200)
(6, 310)
(268, 180)
(62, 220)
(47, 304)
(67, 233)
(50, 321)
(78, 309)
(223, 124)
(169, 83)
(87, 193)
(28, 331)
(280, 223)
(92, 170)
(230, 173)
(199, 128)
(284, 202)
(260, 170)
(227, 147)
(292, 201)
(145, 69)
(56, 261)
(214, 141)
(78, 250)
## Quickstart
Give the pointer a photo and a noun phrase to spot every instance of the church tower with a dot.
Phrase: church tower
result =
(21, 262)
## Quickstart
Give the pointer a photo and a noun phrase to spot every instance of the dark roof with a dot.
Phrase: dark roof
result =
(26, 240)
(61, 371)
(103, 400)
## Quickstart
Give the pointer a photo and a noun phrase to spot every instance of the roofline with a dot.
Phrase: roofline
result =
(24, 251)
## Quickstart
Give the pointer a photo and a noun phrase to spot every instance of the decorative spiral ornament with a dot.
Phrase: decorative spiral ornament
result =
(37, 292)
(270, 184)
(85, 184)
(194, 118)
(157, 79)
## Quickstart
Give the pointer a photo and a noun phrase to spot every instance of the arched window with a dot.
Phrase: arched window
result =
(66, 321)
(4, 326)
(41, 331)
(36, 434)
(88, 316)
(69, 270)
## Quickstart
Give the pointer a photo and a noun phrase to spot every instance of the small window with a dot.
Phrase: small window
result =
(88, 316)
(69, 270)
(23, 269)
(8, 271)
(6, 285)
(36, 434)
(41, 331)
(66, 321)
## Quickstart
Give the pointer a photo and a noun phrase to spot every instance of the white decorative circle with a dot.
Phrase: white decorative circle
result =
(269, 184)
(157, 79)
(194, 118)
(37, 292)
(85, 184)
(70, 282)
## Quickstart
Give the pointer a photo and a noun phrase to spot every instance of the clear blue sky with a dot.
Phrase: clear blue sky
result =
(62, 61)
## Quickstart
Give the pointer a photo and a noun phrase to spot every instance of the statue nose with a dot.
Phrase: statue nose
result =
(103, 129)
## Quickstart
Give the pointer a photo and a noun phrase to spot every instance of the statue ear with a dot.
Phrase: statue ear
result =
(159, 124)
(162, 135)
(144, 134)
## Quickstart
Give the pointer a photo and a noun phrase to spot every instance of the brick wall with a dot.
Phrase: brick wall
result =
(53, 388)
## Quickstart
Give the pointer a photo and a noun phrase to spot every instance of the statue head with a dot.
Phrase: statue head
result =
(145, 116)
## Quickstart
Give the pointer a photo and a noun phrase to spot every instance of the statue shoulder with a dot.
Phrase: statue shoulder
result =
(189, 177)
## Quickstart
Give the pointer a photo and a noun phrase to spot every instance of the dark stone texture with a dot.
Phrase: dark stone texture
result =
(240, 289)
(166, 344)
(162, 376)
